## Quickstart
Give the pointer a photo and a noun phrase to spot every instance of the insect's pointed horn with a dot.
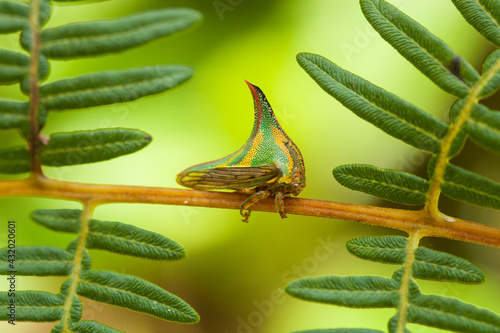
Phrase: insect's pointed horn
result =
(257, 94)
(254, 89)
(249, 84)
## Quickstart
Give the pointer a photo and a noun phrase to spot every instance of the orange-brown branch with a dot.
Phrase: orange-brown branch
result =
(405, 220)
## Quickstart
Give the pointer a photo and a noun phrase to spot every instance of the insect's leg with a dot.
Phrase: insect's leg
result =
(254, 198)
(278, 198)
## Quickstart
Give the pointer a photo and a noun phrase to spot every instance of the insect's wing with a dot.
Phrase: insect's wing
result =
(227, 177)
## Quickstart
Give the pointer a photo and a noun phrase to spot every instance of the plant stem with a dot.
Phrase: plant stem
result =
(454, 129)
(88, 209)
(34, 89)
(404, 289)
(405, 220)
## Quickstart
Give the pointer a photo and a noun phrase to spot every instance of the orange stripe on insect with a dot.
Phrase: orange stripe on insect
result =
(254, 149)
(234, 155)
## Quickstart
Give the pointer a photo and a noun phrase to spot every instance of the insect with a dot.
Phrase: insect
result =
(268, 164)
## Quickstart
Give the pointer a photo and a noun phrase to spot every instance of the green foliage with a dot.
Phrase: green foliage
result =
(92, 146)
(68, 0)
(410, 124)
(136, 294)
(14, 160)
(429, 54)
(492, 86)
(429, 264)
(350, 291)
(110, 87)
(391, 185)
(114, 237)
(388, 112)
(483, 127)
(87, 146)
(400, 119)
(483, 15)
(451, 314)
(113, 288)
(466, 186)
(42, 261)
(13, 66)
(379, 292)
(76, 148)
(39, 306)
(13, 16)
(86, 326)
(14, 115)
(105, 36)
(340, 330)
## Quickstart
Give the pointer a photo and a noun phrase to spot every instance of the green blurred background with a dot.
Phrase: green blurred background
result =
(234, 272)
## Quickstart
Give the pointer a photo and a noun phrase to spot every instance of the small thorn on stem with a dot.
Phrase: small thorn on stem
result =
(44, 139)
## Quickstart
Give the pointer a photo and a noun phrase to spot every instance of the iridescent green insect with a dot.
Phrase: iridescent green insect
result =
(268, 164)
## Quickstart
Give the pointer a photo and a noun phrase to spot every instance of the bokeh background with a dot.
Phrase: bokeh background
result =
(234, 272)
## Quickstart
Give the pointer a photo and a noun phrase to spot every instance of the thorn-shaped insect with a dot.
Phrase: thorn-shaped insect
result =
(268, 164)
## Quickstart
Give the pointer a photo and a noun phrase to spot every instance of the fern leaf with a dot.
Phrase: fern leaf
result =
(110, 87)
(14, 115)
(133, 241)
(350, 291)
(458, 143)
(105, 36)
(433, 57)
(112, 236)
(86, 326)
(483, 15)
(392, 185)
(13, 66)
(384, 249)
(440, 266)
(14, 160)
(460, 138)
(393, 324)
(429, 264)
(13, 16)
(38, 260)
(451, 314)
(388, 112)
(340, 330)
(493, 84)
(38, 306)
(136, 294)
(65, 220)
(483, 127)
(466, 186)
(81, 147)
(73, 148)
(43, 72)
(90, 326)
(44, 12)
